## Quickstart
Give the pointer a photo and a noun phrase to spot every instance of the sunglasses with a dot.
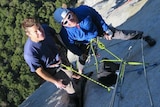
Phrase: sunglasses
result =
(69, 17)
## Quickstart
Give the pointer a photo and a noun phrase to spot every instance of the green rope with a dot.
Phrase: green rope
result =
(121, 75)
(136, 63)
(94, 54)
(108, 60)
(102, 46)
(125, 62)
(94, 81)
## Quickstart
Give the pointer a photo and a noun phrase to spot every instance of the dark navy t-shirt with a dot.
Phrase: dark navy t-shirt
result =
(41, 54)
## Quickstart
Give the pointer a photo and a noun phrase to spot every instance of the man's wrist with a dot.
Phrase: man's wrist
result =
(109, 32)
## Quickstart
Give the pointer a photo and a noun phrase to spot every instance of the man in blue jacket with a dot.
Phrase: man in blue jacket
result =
(42, 56)
(81, 24)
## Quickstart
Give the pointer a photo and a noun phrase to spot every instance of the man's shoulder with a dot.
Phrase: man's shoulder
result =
(28, 43)
(84, 6)
(63, 31)
(45, 26)
(80, 8)
(48, 29)
(29, 47)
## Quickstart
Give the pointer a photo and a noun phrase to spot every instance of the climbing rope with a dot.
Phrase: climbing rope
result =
(145, 75)
(88, 78)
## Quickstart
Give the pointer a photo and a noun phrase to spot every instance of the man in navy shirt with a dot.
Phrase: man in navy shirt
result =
(42, 56)
(81, 24)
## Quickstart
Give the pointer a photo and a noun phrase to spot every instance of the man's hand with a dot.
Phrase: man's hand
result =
(46, 76)
(82, 58)
(59, 84)
(108, 34)
(108, 37)
(56, 64)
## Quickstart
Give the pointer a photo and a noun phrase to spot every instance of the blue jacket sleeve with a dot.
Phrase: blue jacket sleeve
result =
(98, 21)
(70, 45)
(89, 30)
